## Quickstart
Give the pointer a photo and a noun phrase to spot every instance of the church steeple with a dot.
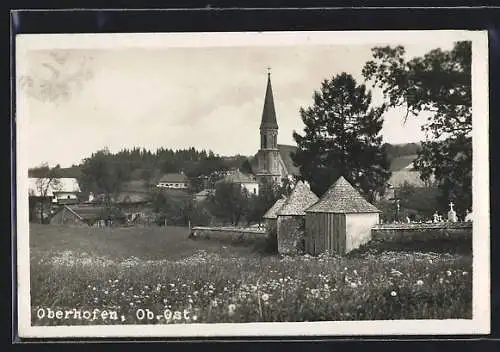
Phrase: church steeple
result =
(268, 113)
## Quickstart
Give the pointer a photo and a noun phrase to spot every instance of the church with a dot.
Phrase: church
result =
(273, 161)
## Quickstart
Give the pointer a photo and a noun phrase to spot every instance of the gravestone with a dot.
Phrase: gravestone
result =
(468, 215)
(436, 217)
(452, 215)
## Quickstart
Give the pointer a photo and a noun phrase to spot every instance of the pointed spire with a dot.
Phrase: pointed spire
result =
(269, 113)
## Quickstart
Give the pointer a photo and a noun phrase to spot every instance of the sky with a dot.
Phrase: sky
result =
(207, 97)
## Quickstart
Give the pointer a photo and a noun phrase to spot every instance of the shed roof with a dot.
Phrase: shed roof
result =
(174, 178)
(236, 176)
(86, 212)
(342, 198)
(300, 199)
(272, 213)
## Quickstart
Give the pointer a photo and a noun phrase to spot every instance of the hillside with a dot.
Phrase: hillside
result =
(399, 155)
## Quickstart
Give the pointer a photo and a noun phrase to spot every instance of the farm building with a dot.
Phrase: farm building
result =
(247, 182)
(82, 214)
(340, 221)
(173, 181)
(290, 219)
(61, 190)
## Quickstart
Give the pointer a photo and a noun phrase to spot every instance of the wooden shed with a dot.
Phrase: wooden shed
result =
(340, 221)
(291, 219)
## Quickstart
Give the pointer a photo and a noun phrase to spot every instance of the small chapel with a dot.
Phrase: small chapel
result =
(273, 162)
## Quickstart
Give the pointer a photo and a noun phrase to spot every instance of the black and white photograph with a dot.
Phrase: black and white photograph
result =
(252, 184)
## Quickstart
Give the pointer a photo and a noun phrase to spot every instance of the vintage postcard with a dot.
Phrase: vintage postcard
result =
(252, 184)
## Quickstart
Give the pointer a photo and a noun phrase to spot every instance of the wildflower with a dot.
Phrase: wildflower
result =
(326, 286)
(315, 292)
(464, 273)
(448, 273)
(93, 289)
(131, 304)
(214, 303)
(420, 282)
(393, 293)
(195, 317)
(106, 292)
(115, 281)
(441, 280)
(353, 285)
(265, 297)
(231, 309)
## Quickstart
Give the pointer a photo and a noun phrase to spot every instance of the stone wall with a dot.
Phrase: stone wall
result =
(226, 233)
(431, 236)
(290, 235)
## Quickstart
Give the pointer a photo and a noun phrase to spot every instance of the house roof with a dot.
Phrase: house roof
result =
(132, 197)
(65, 184)
(205, 193)
(268, 112)
(86, 211)
(236, 176)
(300, 199)
(342, 198)
(272, 213)
(174, 178)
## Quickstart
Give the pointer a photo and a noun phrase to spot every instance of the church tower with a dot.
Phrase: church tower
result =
(268, 155)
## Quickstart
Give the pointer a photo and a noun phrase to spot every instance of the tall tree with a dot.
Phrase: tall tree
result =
(45, 185)
(342, 138)
(439, 84)
(102, 173)
(230, 202)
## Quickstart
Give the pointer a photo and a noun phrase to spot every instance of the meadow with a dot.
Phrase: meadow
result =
(158, 276)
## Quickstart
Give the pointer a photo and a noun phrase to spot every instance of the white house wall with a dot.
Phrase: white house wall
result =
(358, 229)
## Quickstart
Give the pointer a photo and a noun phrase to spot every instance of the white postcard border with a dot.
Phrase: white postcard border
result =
(480, 324)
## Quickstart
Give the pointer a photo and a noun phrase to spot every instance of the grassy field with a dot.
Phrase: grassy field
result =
(158, 276)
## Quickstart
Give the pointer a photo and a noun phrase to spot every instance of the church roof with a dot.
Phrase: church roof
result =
(269, 113)
(286, 155)
(300, 199)
(344, 199)
(272, 213)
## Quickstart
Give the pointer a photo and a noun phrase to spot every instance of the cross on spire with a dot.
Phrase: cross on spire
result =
(268, 70)
(451, 205)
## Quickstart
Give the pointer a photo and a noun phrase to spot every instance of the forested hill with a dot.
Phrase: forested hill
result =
(141, 164)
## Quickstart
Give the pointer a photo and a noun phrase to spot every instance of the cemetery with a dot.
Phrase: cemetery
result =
(339, 222)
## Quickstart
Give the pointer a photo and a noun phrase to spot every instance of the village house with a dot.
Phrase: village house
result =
(247, 182)
(81, 215)
(59, 190)
(173, 181)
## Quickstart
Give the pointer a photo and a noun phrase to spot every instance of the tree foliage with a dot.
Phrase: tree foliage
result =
(438, 83)
(341, 138)
(101, 173)
(230, 202)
